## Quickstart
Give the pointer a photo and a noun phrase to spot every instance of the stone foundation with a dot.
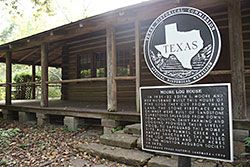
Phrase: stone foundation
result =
(71, 123)
(25, 117)
(9, 115)
(109, 124)
(239, 145)
(42, 119)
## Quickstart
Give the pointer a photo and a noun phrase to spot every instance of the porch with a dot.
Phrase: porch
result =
(69, 113)
(102, 61)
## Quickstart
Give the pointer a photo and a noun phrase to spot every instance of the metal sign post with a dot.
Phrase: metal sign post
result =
(184, 161)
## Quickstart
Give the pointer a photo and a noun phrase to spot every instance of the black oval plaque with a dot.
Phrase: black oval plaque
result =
(182, 46)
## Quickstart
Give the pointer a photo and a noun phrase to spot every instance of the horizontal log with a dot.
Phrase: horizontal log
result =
(88, 44)
(93, 87)
(123, 78)
(216, 72)
(86, 99)
(243, 124)
(101, 46)
(89, 94)
(220, 72)
(19, 84)
(98, 38)
(76, 42)
(247, 71)
(125, 93)
(104, 91)
(91, 79)
(78, 80)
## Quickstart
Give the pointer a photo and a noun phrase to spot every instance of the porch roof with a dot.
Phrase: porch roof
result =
(27, 50)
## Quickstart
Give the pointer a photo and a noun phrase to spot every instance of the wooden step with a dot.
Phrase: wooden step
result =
(119, 140)
(126, 156)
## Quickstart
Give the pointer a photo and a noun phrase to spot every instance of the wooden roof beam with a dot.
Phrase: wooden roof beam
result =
(99, 22)
(28, 55)
(54, 59)
(51, 51)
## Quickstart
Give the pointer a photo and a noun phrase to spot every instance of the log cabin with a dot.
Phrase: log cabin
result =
(103, 66)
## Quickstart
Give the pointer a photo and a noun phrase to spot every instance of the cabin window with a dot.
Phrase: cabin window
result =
(92, 65)
(124, 59)
(85, 66)
(100, 64)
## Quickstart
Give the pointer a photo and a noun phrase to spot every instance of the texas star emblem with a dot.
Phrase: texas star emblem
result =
(182, 46)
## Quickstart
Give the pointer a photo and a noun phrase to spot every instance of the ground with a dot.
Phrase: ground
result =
(23, 145)
(52, 145)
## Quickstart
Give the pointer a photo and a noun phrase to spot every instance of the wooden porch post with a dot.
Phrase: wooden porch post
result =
(33, 86)
(137, 63)
(65, 60)
(44, 75)
(8, 78)
(237, 59)
(111, 69)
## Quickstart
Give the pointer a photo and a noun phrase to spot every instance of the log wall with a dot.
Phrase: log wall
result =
(97, 90)
(245, 14)
(83, 91)
(125, 35)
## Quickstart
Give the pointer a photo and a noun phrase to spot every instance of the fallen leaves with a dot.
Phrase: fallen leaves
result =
(48, 146)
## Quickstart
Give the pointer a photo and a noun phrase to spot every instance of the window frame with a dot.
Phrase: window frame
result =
(93, 63)
(127, 51)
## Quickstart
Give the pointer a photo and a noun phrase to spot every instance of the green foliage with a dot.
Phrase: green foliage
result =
(55, 74)
(6, 135)
(113, 130)
(2, 91)
(3, 162)
(100, 72)
(247, 141)
(40, 6)
(2, 80)
(12, 6)
(43, 6)
(123, 71)
(17, 21)
(22, 77)
(23, 91)
(24, 146)
(6, 33)
(22, 18)
(54, 92)
(85, 73)
(67, 129)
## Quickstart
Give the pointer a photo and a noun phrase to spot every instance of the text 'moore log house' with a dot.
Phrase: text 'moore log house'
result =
(103, 66)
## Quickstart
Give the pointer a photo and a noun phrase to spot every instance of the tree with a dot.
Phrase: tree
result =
(40, 6)
(6, 33)
(22, 18)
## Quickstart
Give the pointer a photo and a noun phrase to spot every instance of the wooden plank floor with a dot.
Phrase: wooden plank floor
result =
(73, 105)
(126, 112)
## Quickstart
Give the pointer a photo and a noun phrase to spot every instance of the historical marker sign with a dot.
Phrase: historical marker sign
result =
(192, 121)
(182, 46)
